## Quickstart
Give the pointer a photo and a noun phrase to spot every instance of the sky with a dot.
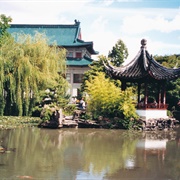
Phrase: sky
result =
(106, 21)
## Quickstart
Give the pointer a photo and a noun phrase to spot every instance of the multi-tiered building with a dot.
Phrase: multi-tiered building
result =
(79, 52)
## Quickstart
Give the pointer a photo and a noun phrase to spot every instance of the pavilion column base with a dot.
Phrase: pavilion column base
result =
(147, 114)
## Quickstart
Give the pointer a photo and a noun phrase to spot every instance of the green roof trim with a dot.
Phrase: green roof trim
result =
(62, 35)
(85, 61)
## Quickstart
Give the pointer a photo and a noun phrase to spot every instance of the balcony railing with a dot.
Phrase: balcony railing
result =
(152, 106)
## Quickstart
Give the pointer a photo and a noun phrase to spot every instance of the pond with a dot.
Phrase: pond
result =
(72, 154)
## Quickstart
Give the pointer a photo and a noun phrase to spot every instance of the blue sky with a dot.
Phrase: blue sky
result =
(106, 21)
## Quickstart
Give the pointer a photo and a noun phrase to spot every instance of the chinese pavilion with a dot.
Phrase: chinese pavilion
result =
(144, 70)
(69, 36)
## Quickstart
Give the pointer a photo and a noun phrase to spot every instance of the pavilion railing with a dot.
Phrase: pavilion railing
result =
(152, 106)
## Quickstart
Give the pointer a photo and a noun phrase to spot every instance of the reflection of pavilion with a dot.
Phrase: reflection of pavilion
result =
(154, 144)
(153, 147)
(150, 77)
(148, 147)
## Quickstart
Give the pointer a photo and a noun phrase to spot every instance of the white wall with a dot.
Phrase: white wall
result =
(152, 113)
(75, 86)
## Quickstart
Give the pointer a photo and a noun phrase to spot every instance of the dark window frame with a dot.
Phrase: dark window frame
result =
(78, 78)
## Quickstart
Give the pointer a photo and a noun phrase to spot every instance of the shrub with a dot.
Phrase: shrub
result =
(107, 100)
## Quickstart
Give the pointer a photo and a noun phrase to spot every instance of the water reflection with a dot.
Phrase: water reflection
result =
(154, 143)
(89, 154)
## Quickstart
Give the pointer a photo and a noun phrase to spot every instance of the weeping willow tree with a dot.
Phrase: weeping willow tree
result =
(28, 66)
(4, 25)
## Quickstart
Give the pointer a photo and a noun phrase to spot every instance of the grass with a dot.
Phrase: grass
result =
(11, 122)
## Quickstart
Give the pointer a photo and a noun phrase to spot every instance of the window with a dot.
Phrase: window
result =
(77, 78)
(70, 54)
(78, 55)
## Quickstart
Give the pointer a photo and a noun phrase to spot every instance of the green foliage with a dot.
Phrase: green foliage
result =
(118, 53)
(46, 114)
(28, 67)
(107, 100)
(173, 93)
(117, 56)
(4, 25)
(11, 122)
(170, 61)
(96, 67)
(172, 87)
(69, 109)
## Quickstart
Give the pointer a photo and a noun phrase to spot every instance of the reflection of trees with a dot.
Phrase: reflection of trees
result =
(107, 151)
(41, 153)
(172, 160)
(153, 135)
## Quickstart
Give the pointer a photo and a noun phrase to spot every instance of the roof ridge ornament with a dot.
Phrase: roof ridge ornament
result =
(76, 22)
(143, 43)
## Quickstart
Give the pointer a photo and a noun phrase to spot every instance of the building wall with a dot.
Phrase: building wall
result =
(152, 113)
(75, 71)
(71, 52)
(70, 75)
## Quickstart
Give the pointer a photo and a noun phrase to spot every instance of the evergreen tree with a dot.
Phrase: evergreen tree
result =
(118, 53)
(95, 67)
(117, 56)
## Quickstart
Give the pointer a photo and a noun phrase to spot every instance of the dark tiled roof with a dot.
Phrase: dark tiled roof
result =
(85, 61)
(62, 35)
(142, 67)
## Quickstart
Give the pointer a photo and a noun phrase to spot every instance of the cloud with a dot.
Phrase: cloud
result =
(108, 2)
(139, 24)
(154, 47)
(38, 11)
(107, 29)
(101, 22)
(103, 38)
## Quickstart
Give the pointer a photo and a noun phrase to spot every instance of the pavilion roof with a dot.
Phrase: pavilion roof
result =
(142, 67)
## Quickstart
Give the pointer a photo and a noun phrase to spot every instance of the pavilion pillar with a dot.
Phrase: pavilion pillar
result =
(164, 94)
(145, 95)
(123, 85)
(139, 89)
(159, 95)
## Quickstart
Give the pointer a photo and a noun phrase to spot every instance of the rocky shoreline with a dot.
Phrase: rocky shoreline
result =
(75, 121)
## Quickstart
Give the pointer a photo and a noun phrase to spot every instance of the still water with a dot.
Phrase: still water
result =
(92, 154)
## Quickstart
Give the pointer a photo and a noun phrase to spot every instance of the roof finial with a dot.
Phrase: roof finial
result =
(143, 43)
(76, 22)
